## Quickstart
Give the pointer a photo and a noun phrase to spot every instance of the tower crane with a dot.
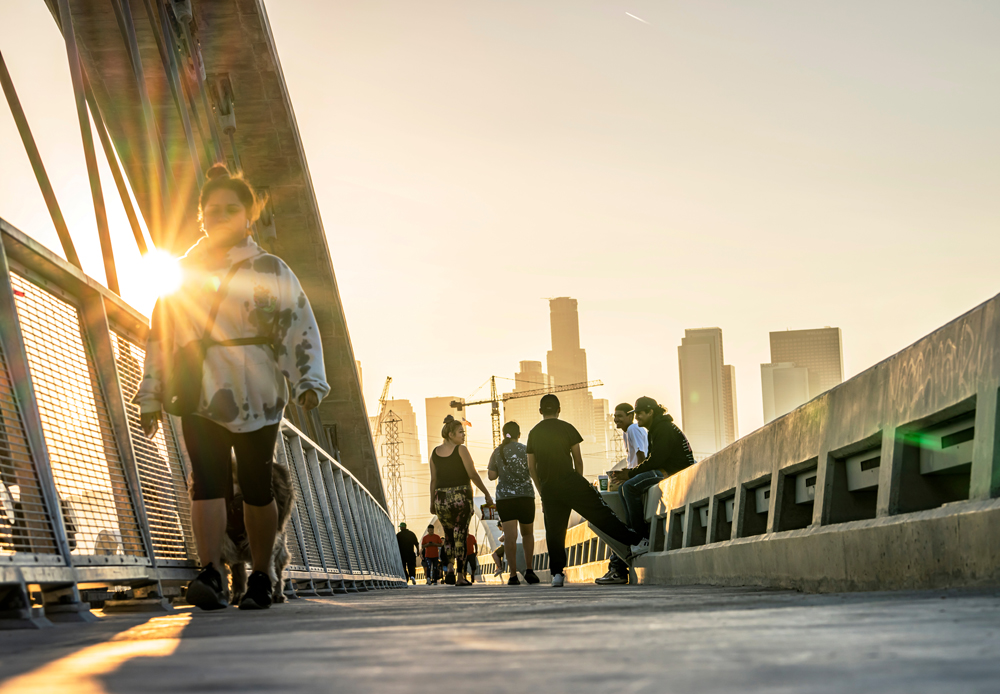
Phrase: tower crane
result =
(495, 401)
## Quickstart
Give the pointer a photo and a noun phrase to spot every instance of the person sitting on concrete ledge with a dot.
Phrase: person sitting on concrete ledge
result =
(669, 453)
(636, 445)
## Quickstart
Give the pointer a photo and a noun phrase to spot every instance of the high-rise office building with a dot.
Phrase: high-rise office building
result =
(567, 364)
(524, 411)
(819, 351)
(783, 387)
(708, 392)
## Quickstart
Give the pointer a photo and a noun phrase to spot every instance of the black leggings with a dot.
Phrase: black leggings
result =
(572, 492)
(210, 447)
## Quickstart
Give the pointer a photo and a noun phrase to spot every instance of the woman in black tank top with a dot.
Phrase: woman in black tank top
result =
(451, 496)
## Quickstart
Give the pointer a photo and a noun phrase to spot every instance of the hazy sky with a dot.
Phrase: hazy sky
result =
(754, 166)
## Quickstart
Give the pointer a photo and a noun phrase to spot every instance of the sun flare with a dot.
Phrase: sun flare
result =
(161, 272)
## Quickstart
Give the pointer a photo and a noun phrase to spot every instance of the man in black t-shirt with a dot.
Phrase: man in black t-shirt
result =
(556, 464)
(409, 545)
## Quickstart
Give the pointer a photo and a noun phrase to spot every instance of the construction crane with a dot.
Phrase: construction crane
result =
(495, 401)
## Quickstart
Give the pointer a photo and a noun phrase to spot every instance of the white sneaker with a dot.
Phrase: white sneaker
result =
(639, 549)
(558, 580)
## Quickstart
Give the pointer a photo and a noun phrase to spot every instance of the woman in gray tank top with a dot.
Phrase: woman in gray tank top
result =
(515, 500)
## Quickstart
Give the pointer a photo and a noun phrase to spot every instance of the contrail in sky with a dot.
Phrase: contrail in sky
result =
(639, 18)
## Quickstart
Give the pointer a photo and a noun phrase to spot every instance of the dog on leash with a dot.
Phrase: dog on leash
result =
(236, 544)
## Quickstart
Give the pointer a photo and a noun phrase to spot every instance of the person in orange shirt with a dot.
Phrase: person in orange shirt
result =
(471, 561)
(430, 545)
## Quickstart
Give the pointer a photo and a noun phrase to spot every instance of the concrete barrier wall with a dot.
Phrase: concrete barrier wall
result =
(887, 481)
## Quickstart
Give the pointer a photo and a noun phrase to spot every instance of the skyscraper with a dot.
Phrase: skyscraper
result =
(783, 386)
(567, 364)
(804, 363)
(708, 392)
(820, 350)
(524, 411)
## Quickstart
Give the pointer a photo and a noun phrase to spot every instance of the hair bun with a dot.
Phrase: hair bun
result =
(448, 419)
(217, 171)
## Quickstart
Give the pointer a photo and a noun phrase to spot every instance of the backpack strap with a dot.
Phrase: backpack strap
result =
(206, 336)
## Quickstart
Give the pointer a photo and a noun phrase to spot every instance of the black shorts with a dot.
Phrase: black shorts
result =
(520, 509)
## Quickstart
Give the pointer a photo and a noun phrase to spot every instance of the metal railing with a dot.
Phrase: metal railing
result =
(86, 498)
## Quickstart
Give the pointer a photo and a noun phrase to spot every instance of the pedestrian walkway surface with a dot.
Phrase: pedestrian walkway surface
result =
(528, 639)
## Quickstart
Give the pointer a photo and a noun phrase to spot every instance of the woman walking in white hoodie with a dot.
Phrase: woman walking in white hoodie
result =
(258, 334)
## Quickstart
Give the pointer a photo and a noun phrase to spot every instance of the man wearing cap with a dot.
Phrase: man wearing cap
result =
(408, 548)
(636, 445)
(669, 453)
(556, 465)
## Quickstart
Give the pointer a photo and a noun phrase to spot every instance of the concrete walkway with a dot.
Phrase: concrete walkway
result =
(582, 638)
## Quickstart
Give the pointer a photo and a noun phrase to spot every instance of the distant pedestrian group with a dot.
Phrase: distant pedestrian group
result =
(551, 461)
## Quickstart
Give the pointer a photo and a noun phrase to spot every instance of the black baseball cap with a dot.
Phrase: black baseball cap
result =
(644, 403)
(549, 404)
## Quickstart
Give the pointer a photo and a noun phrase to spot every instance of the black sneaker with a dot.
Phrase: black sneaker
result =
(258, 595)
(512, 581)
(449, 578)
(206, 590)
(530, 578)
(612, 578)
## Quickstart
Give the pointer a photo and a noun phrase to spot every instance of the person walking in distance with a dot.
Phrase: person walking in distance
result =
(636, 445)
(471, 561)
(430, 546)
(408, 548)
(451, 496)
(246, 312)
(515, 500)
(556, 465)
(669, 453)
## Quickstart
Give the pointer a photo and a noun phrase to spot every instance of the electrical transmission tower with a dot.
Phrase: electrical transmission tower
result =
(392, 467)
(617, 447)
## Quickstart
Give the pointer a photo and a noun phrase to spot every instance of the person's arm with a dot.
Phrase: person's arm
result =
(150, 393)
(493, 469)
(297, 342)
(577, 459)
(470, 468)
(433, 485)
(640, 457)
(532, 470)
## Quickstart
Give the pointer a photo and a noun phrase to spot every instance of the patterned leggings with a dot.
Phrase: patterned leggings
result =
(453, 506)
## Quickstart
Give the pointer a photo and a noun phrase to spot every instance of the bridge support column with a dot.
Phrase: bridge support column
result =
(985, 482)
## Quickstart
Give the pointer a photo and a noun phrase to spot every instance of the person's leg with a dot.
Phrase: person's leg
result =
(587, 501)
(208, 519)
(556, 514)
(254, 458)
(632, 492)
(209, 449)
(510, 545)
(528, 543)
(463, 516)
